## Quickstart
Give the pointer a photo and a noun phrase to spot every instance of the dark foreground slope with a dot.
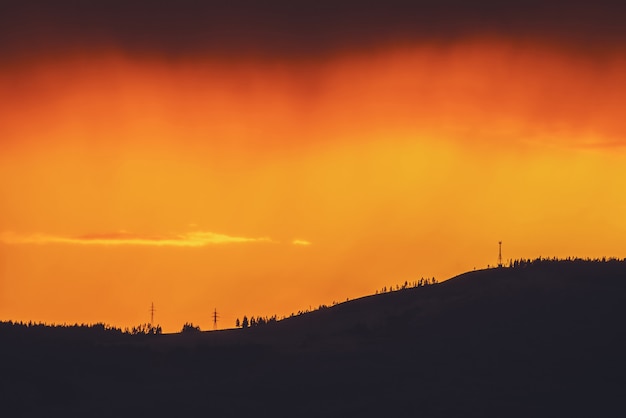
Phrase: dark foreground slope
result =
(545, 340)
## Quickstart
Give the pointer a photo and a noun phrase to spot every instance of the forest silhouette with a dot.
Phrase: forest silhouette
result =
(541, 337)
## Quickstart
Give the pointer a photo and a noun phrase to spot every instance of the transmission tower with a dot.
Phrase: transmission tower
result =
(152, 311)
(215, 318)
(500, 254)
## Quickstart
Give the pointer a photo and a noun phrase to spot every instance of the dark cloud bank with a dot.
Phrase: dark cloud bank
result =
(297, 28)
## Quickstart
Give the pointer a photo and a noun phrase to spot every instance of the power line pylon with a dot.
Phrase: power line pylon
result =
(152, 311)
(215, 318)
(500, 254)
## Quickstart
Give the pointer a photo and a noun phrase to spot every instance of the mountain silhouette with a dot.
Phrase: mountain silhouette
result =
(545, 338)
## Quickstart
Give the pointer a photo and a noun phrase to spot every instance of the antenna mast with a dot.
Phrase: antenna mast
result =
(500, 254)
(152, 311)
(215, 318)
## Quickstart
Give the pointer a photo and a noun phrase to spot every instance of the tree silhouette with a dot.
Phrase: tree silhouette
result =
(237, 324)
(189, 327)
(145, 329)
(244, 322)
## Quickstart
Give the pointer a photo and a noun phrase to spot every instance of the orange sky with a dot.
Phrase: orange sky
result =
(267, 186)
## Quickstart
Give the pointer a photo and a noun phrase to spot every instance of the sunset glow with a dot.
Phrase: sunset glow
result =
(268, 185)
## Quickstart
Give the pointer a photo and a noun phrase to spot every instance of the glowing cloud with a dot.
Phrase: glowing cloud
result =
(192, 239)
(300, 242)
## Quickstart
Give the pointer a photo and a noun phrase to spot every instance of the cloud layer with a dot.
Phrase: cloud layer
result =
(192, 239)
(285, 27)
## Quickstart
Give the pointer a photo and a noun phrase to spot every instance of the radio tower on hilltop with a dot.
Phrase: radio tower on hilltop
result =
(215, 318)
(152, 311)
(500, 254)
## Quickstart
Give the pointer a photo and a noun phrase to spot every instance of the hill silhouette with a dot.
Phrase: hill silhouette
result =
(545, 338)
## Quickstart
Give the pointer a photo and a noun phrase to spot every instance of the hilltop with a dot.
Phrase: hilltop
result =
(543, 338)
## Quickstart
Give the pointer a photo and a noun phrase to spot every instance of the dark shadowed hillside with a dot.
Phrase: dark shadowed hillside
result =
(543, 339)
